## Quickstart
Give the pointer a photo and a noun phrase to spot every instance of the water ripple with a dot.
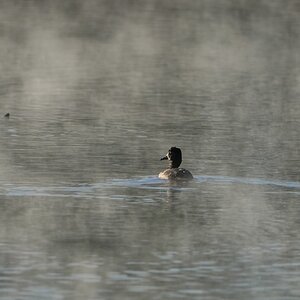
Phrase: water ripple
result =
(85, 190)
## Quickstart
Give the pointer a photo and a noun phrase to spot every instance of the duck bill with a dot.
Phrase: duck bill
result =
(164, 158)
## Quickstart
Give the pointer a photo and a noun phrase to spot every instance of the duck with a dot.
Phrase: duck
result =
(174, 155)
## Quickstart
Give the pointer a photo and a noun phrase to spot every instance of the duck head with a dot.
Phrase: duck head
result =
(174, 156)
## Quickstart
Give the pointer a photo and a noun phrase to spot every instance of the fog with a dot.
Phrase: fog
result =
(71, 40)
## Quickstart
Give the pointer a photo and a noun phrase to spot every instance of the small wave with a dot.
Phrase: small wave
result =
(252, 181)
(95, 190)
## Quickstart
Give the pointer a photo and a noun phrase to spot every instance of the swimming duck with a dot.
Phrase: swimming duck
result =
(174, 172)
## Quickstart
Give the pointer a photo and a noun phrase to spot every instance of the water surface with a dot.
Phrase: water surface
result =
(97, 92)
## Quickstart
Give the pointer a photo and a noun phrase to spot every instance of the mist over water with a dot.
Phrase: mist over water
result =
(97, 92)
(164, 68)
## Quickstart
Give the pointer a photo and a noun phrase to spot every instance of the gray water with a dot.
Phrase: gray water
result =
(97, 92)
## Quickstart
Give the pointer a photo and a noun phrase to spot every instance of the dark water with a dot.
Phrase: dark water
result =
(97, 92)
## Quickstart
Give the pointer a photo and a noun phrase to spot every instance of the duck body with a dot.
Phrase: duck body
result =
(174, 155)
(176, 174)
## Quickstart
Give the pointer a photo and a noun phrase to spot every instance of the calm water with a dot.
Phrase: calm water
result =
(98, 91)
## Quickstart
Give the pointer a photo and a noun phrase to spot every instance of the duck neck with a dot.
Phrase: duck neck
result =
(174, 164)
